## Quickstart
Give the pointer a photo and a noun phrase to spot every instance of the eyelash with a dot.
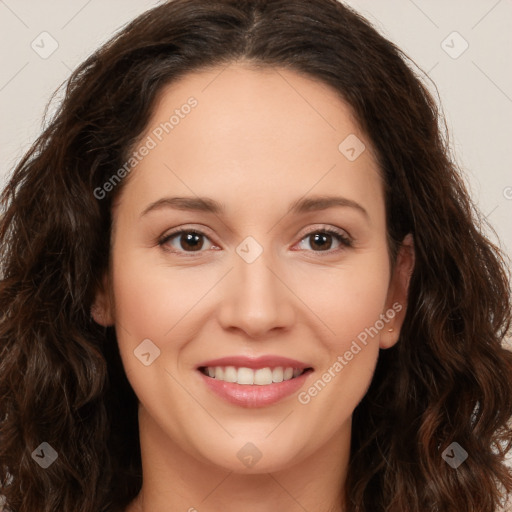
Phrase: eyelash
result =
(340, 236)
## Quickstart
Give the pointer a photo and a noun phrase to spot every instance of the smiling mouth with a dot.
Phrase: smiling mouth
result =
(249, 376)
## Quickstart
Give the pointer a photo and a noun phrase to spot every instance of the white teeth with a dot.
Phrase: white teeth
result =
(277, 374)
(248, 376)
(230, 374)
(263, 376)
(245, 376)
(219, 373)
(288, 373)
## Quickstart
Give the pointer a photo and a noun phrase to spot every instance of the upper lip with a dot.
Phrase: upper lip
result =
(266, 361)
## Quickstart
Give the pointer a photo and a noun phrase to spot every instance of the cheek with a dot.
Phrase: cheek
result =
(350, 303)
(152, 303)
(138, 305)
(351, 298)
(146, 291)
(152, 300)
(138, 301)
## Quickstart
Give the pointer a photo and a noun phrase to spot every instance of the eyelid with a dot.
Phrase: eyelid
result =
(327, 228)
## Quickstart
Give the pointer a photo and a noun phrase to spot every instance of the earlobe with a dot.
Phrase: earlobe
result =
(396, 303)
(101, 310)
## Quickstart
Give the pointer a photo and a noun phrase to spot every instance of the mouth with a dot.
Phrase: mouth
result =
(254, 382)
(250, 376)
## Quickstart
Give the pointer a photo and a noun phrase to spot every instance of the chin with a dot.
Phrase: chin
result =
(257, 456)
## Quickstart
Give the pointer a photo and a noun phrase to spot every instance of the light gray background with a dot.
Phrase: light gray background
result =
(475, 88)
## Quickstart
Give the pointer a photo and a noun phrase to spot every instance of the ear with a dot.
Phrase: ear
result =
(396, 302)
(101, 309)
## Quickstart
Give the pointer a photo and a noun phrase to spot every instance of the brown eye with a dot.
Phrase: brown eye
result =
(191, 241)
(322, 240)
(184, 241)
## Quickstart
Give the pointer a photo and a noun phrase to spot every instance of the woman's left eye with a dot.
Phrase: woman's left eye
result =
(323, 237)
(191, 241)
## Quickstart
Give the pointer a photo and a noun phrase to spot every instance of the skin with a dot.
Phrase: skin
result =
(258, 140)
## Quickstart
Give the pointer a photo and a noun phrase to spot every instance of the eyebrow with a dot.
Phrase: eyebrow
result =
(208, 205)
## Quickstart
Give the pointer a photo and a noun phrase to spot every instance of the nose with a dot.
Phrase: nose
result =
(256, 298)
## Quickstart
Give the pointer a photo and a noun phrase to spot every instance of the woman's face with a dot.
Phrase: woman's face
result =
(283, 265)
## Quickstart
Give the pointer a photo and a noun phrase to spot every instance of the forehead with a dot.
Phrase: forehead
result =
(243, 133)
(250, 105)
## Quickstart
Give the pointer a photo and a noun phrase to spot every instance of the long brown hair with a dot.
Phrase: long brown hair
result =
(449, 379)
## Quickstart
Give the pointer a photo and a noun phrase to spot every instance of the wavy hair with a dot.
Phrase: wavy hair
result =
(448, 379)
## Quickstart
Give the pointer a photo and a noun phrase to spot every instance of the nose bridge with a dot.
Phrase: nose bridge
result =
(256, 300)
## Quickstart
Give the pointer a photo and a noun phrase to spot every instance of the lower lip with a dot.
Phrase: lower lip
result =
(246, 395)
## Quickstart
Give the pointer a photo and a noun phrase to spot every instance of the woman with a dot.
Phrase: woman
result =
(240, 271)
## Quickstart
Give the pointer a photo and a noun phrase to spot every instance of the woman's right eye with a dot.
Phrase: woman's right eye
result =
(184, 240)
